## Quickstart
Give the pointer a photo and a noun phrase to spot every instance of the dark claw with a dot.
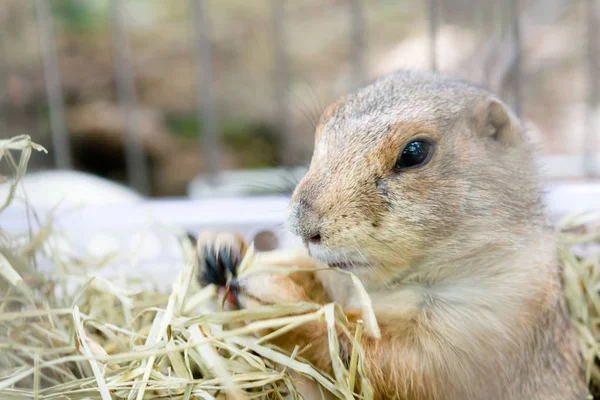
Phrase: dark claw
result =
(217, 267)
(209, 269)
(229, 260)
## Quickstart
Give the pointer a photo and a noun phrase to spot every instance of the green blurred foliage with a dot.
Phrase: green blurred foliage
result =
(257, 144)
(80, 16)
(184, 126)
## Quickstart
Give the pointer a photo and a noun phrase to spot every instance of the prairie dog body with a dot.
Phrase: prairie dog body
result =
(426, 189)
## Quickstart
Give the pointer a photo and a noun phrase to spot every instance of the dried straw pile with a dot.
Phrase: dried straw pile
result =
(72, 335)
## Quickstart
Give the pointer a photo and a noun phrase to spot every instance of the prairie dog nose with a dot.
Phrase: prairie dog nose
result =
(304, 222)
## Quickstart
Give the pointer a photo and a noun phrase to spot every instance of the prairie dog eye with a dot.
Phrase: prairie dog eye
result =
(415, 154)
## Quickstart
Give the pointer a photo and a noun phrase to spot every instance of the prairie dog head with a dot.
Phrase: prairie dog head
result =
(412, 170)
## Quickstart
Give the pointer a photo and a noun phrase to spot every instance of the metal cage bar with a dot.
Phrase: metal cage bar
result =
(205, 103)
(433, 16)
(593, 95)
(357, 42)
(137, 170)
(4, 71)
(52, 81)
(281, 80)
(516, 37)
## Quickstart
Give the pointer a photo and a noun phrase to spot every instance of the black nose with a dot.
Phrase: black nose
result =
(304, 222)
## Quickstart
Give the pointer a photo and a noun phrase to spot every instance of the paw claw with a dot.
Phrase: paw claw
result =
(219, 255)
(229, 260)
(212, 272)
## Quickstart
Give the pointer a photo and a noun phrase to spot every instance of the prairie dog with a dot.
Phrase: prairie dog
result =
(426, 188)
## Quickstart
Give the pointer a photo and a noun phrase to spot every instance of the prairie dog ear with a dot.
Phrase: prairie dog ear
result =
(495, 120)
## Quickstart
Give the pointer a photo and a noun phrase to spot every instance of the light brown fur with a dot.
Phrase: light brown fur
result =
(457, 255)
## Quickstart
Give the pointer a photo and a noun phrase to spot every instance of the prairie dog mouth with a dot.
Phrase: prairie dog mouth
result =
(343, 265)
(334, 259)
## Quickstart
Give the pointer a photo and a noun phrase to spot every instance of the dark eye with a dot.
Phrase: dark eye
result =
(415, 154)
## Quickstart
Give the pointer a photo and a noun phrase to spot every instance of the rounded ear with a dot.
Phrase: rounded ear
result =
(495, 120)
(328, 113)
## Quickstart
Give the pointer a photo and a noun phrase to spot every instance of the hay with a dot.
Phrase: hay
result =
(73, 334)
(76, 335)
(580, 258)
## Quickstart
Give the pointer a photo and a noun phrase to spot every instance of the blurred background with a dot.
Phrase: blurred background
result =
(218, 97)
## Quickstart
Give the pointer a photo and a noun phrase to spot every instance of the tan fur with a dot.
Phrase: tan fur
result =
(457, 255)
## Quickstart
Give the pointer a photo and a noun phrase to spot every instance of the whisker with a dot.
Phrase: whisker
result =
(319, 107)
(305, 110)
(291, 180)
(382, 242)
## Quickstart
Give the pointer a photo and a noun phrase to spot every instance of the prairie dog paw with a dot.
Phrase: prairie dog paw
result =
(219, 255)
(273, 288)
(261, 289)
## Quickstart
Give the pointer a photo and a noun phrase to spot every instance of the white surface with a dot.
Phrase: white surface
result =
(250, 214)
(572, 198)
(70, 189)
(143, 232)
(566, 166)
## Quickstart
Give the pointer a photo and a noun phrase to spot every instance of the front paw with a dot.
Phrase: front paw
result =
(219, 255)
(289, 277)
(264, 279)
(268, 289)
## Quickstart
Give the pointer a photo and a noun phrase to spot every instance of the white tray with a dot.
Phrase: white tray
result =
(143, 231)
